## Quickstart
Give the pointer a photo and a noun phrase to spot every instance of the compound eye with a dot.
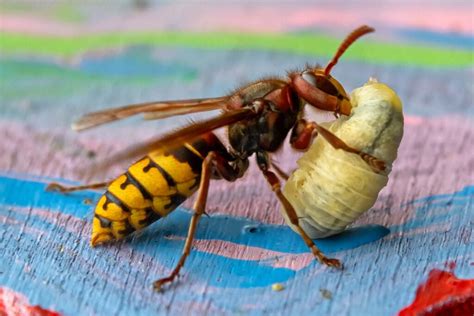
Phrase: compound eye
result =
(309, 77)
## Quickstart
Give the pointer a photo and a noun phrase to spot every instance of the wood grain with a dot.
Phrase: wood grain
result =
(46, 253)
(423, 219)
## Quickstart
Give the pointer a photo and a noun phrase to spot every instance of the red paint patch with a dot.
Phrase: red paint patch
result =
(442, 294)
(15, 304)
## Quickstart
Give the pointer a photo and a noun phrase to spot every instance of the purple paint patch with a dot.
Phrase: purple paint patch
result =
(436, 136)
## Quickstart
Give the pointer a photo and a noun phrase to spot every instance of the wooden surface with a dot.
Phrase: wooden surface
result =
(422, 221)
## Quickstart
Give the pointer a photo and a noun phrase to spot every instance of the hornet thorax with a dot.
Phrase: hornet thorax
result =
(279, 111)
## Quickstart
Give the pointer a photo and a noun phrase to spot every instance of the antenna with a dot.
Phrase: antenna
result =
(351, 38)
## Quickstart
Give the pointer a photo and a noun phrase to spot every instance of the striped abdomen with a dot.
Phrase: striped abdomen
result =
(149, 190)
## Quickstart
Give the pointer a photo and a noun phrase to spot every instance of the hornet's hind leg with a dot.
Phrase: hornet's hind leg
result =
(53, 186)
(272, 179)
(212, 162)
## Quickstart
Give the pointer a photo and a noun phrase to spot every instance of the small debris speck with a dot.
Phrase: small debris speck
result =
(277, 287)
(87, 201)
(250, 229)
(326, 294)
(91, 154)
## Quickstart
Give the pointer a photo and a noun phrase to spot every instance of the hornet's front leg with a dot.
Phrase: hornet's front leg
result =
(214, 165)
(263, 163)
(304, 132)
(199, 209)
(282, 174)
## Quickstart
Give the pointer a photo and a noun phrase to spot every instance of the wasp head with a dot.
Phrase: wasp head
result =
(327, 92)
(316, 85)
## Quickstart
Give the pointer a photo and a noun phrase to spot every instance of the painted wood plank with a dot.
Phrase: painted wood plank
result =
(422, 221)
(46, 239)
(233, 257)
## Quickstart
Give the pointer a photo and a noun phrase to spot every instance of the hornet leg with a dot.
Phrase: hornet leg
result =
(213, 162)
(302, 135)
(282, 174)
(199, 209)
(272, 179)
(53, 186)
(304, 132)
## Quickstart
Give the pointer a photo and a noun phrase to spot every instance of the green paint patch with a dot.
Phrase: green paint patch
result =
(33, 70)
(307, 44)
(67, 12)
(63, 11)
(14, 6)
(37, 80)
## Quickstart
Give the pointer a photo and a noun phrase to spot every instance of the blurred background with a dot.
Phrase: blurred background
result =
(62, 59)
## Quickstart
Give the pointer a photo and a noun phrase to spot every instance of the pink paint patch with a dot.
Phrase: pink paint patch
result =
(15, 304)
(441, 228)
(251, 197)
(271, 258)
(413, 120)
(294, 262)
(28, 23)
(70, 223)
(23, 226)
(234, 16)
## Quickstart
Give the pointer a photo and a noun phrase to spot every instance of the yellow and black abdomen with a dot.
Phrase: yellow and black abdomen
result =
(149, 190)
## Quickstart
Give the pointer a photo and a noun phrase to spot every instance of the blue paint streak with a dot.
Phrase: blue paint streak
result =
(32, 193)
(448, 39)
(133, 62)
(23, 193)
(446, 198)
(445, 204)
(246, 279)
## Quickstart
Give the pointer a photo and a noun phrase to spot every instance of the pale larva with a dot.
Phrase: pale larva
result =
(331, 188)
